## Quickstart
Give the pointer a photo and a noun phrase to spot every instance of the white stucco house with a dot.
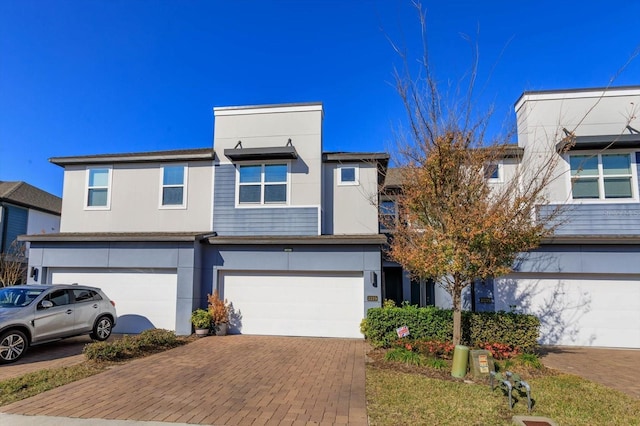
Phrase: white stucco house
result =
(288, 233)
(584, 283)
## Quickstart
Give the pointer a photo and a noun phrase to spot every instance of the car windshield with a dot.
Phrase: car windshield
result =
(17, 297)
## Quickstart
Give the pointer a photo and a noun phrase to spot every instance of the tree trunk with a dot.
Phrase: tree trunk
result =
(457, 316)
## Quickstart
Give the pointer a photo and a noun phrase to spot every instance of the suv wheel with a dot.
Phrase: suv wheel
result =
(13, 344)
(102, 329)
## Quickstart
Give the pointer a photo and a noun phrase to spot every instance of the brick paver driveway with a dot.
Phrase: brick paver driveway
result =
(232, 380)
(62, 353)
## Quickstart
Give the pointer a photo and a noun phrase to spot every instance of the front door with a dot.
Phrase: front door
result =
(393, 285)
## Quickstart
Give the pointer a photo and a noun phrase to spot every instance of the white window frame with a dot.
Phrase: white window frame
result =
(601, 197)
(500, 168)
(395, 214)
(356, 181)
(87, 188)
(262, 184)
(184, 187)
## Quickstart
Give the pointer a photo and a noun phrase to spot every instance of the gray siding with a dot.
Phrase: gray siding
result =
(228, 220)
(15, 223)
(598, 219)
(600, 260)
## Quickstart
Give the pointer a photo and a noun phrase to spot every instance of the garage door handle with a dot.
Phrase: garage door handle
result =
(69, 311)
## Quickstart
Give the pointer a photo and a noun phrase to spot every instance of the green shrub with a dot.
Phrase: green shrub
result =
(433, 324)
(437, 363)
(157, 338)
(528, 360)
(404, 355)
(147, 342)
(428, 323)
(518, 330)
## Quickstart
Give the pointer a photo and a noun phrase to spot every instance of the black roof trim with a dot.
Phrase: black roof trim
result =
(374, 239)
(115, 236)
(270, 153)
(601, 141)
(343, 157)
(138, 157)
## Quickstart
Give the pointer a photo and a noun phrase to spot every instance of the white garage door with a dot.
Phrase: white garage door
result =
(305, 304)
(143, 299)
(578, 312)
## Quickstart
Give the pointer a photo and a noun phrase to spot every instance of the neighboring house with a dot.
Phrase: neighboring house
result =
(584, 283)
(25, 209)
(287, 233)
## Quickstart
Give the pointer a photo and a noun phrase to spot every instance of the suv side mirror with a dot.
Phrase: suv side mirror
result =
(46, 304)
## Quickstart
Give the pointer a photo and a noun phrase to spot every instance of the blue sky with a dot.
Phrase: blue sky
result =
(90, 77)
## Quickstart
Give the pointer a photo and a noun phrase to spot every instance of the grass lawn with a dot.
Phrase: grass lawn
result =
(99, 356)
(397, 397)
(31, 384)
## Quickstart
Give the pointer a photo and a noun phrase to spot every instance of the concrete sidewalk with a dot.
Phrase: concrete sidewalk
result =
(19, 420)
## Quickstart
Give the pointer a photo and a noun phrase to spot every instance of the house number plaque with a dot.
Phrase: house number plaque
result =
(372, 298)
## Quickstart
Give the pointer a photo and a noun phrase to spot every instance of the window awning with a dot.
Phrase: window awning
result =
(269, 153)
(600, 142)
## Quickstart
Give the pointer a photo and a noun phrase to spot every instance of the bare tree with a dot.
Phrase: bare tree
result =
(13, 264)
(456, 225)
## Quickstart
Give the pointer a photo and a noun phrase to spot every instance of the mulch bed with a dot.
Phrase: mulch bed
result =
(375, 359)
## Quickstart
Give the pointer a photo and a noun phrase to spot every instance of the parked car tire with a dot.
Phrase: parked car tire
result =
(13, 344)
(102, 329)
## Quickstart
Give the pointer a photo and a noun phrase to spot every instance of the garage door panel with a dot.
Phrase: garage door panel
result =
(143, 299)
(579, 312)
(329, 305)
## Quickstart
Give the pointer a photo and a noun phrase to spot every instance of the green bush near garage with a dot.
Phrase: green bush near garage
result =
(132, 346)
(431, 323)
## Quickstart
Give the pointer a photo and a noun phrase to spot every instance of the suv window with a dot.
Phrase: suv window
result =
(83, 295)
(59, 297)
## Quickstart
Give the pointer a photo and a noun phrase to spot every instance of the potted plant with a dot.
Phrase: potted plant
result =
(219, 311)
(201, 320)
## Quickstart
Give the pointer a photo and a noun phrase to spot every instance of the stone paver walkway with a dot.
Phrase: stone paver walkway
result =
(616, 368)
(232, 380)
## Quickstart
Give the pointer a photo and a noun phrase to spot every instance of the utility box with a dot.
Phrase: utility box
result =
(481, 363)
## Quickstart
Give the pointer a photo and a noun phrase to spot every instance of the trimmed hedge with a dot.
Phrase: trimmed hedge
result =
(518, 330)
(431, 323)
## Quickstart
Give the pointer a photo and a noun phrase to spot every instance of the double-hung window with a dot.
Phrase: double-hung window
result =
(98, 188)
(601, 176)
(263, 183)
(174, 192)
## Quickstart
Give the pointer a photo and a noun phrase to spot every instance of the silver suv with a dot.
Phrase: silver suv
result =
(34, 314)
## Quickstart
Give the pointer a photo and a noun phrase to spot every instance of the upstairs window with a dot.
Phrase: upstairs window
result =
(262, 184)
(98, 188)
(388, 215)
(601, 176)
(348, 175)
(493, 172)
(174, 186)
